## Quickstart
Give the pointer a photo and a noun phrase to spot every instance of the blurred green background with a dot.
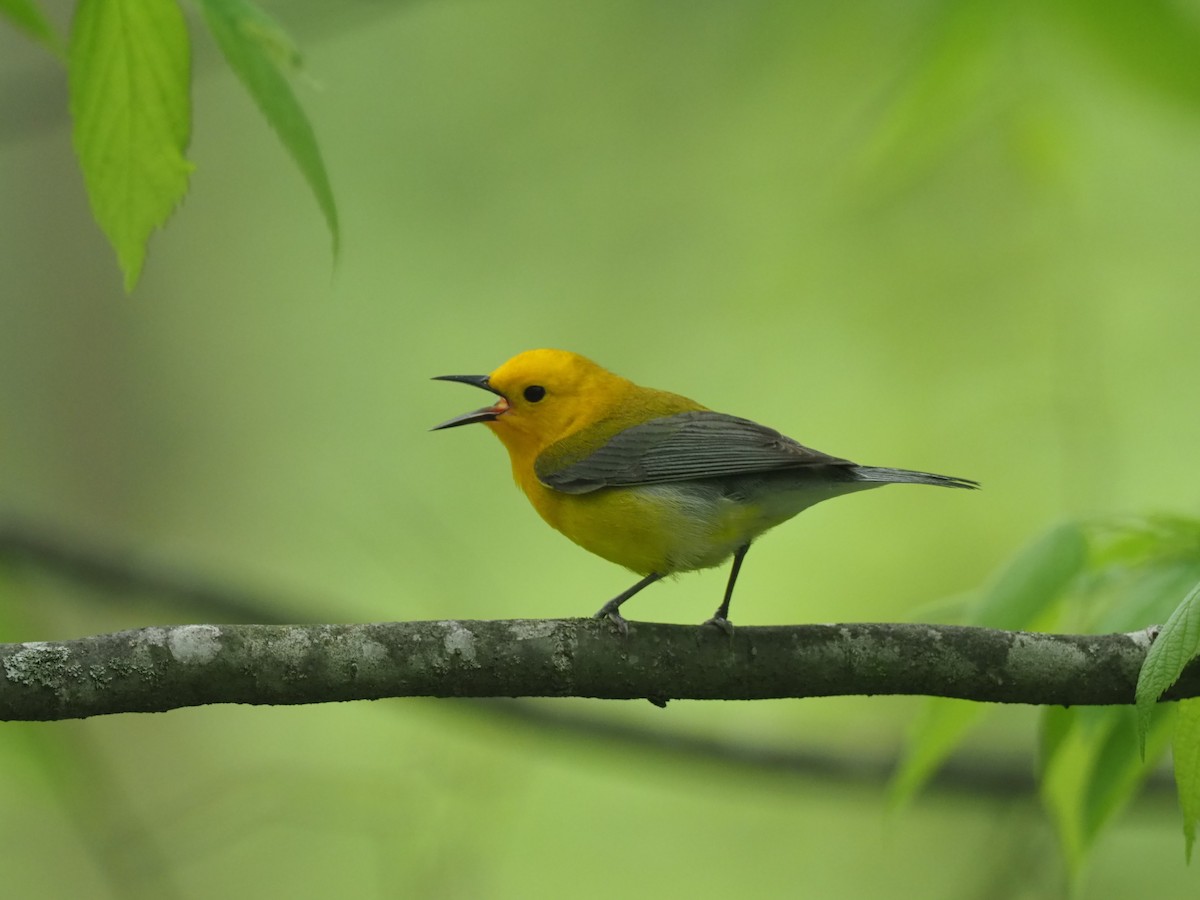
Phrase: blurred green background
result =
(935, 235)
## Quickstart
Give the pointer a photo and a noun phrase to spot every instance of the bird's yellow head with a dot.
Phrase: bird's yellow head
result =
(545, 395)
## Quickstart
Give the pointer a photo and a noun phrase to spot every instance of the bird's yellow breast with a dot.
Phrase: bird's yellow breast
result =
(663, 528)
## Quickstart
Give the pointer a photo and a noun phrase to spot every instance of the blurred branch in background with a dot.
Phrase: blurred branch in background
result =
(966, 775)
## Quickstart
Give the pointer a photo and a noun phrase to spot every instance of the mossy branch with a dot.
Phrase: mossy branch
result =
(161, 668)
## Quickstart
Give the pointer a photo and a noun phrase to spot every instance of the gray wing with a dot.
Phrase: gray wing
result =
(682, 447)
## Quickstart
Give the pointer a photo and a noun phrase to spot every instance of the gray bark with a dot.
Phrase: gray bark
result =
(161, 668)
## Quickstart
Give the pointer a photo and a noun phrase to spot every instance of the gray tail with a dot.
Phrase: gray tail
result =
(904, 476)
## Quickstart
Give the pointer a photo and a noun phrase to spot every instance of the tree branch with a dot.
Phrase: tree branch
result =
(161, 668)
(123, 576)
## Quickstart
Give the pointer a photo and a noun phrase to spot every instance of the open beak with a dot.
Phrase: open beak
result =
(487, 414)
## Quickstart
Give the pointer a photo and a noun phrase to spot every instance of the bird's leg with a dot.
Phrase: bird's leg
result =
(610, 609)
(721, 616)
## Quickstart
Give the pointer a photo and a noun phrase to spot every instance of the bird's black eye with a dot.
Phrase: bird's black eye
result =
(534, 393)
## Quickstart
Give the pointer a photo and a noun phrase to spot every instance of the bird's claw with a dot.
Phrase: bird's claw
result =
(722, 623)
(616, 618)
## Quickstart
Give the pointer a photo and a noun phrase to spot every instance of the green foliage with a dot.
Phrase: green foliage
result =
(1092, 760)
(129, 63)
(1177, 644)
(28, 18)
(129, 80)
(963, 77)
(1090, 768)
(1153, 43)
(1128, 545)
(260, 52)
(1186, 750)
(1033, 583)
(937, 731)
(937, 99)
(1024, 593)
(1140, 567)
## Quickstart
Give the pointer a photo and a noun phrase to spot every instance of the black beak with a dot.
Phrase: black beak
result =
(487, 414)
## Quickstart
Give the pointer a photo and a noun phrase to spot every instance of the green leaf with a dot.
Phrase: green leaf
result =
(1034, 580)
(1053, 728)
(1152, 539)
(1186, 751)
(1091, 768)
(1064, 771)
(1028, 587)
(939, 96)
(938, 729)
(26, 16)
(1176, 645)
(1117, 771)
(129, 78)
(258, 50)
(1140, 568)
(1145, 594)
(1152, 43)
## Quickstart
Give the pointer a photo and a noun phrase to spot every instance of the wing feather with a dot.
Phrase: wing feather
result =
(687, 446)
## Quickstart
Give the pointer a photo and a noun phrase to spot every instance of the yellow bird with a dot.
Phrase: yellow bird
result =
(651, 480)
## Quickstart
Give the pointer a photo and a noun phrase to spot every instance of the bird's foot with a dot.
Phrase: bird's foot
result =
(723, 623)
(615, 617)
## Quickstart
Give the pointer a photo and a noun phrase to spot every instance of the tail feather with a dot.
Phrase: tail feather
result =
(905, 476)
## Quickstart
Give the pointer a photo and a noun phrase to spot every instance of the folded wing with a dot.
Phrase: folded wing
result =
(683, 447)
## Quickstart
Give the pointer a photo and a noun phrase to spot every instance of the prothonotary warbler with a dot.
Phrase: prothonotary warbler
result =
(651, 480)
